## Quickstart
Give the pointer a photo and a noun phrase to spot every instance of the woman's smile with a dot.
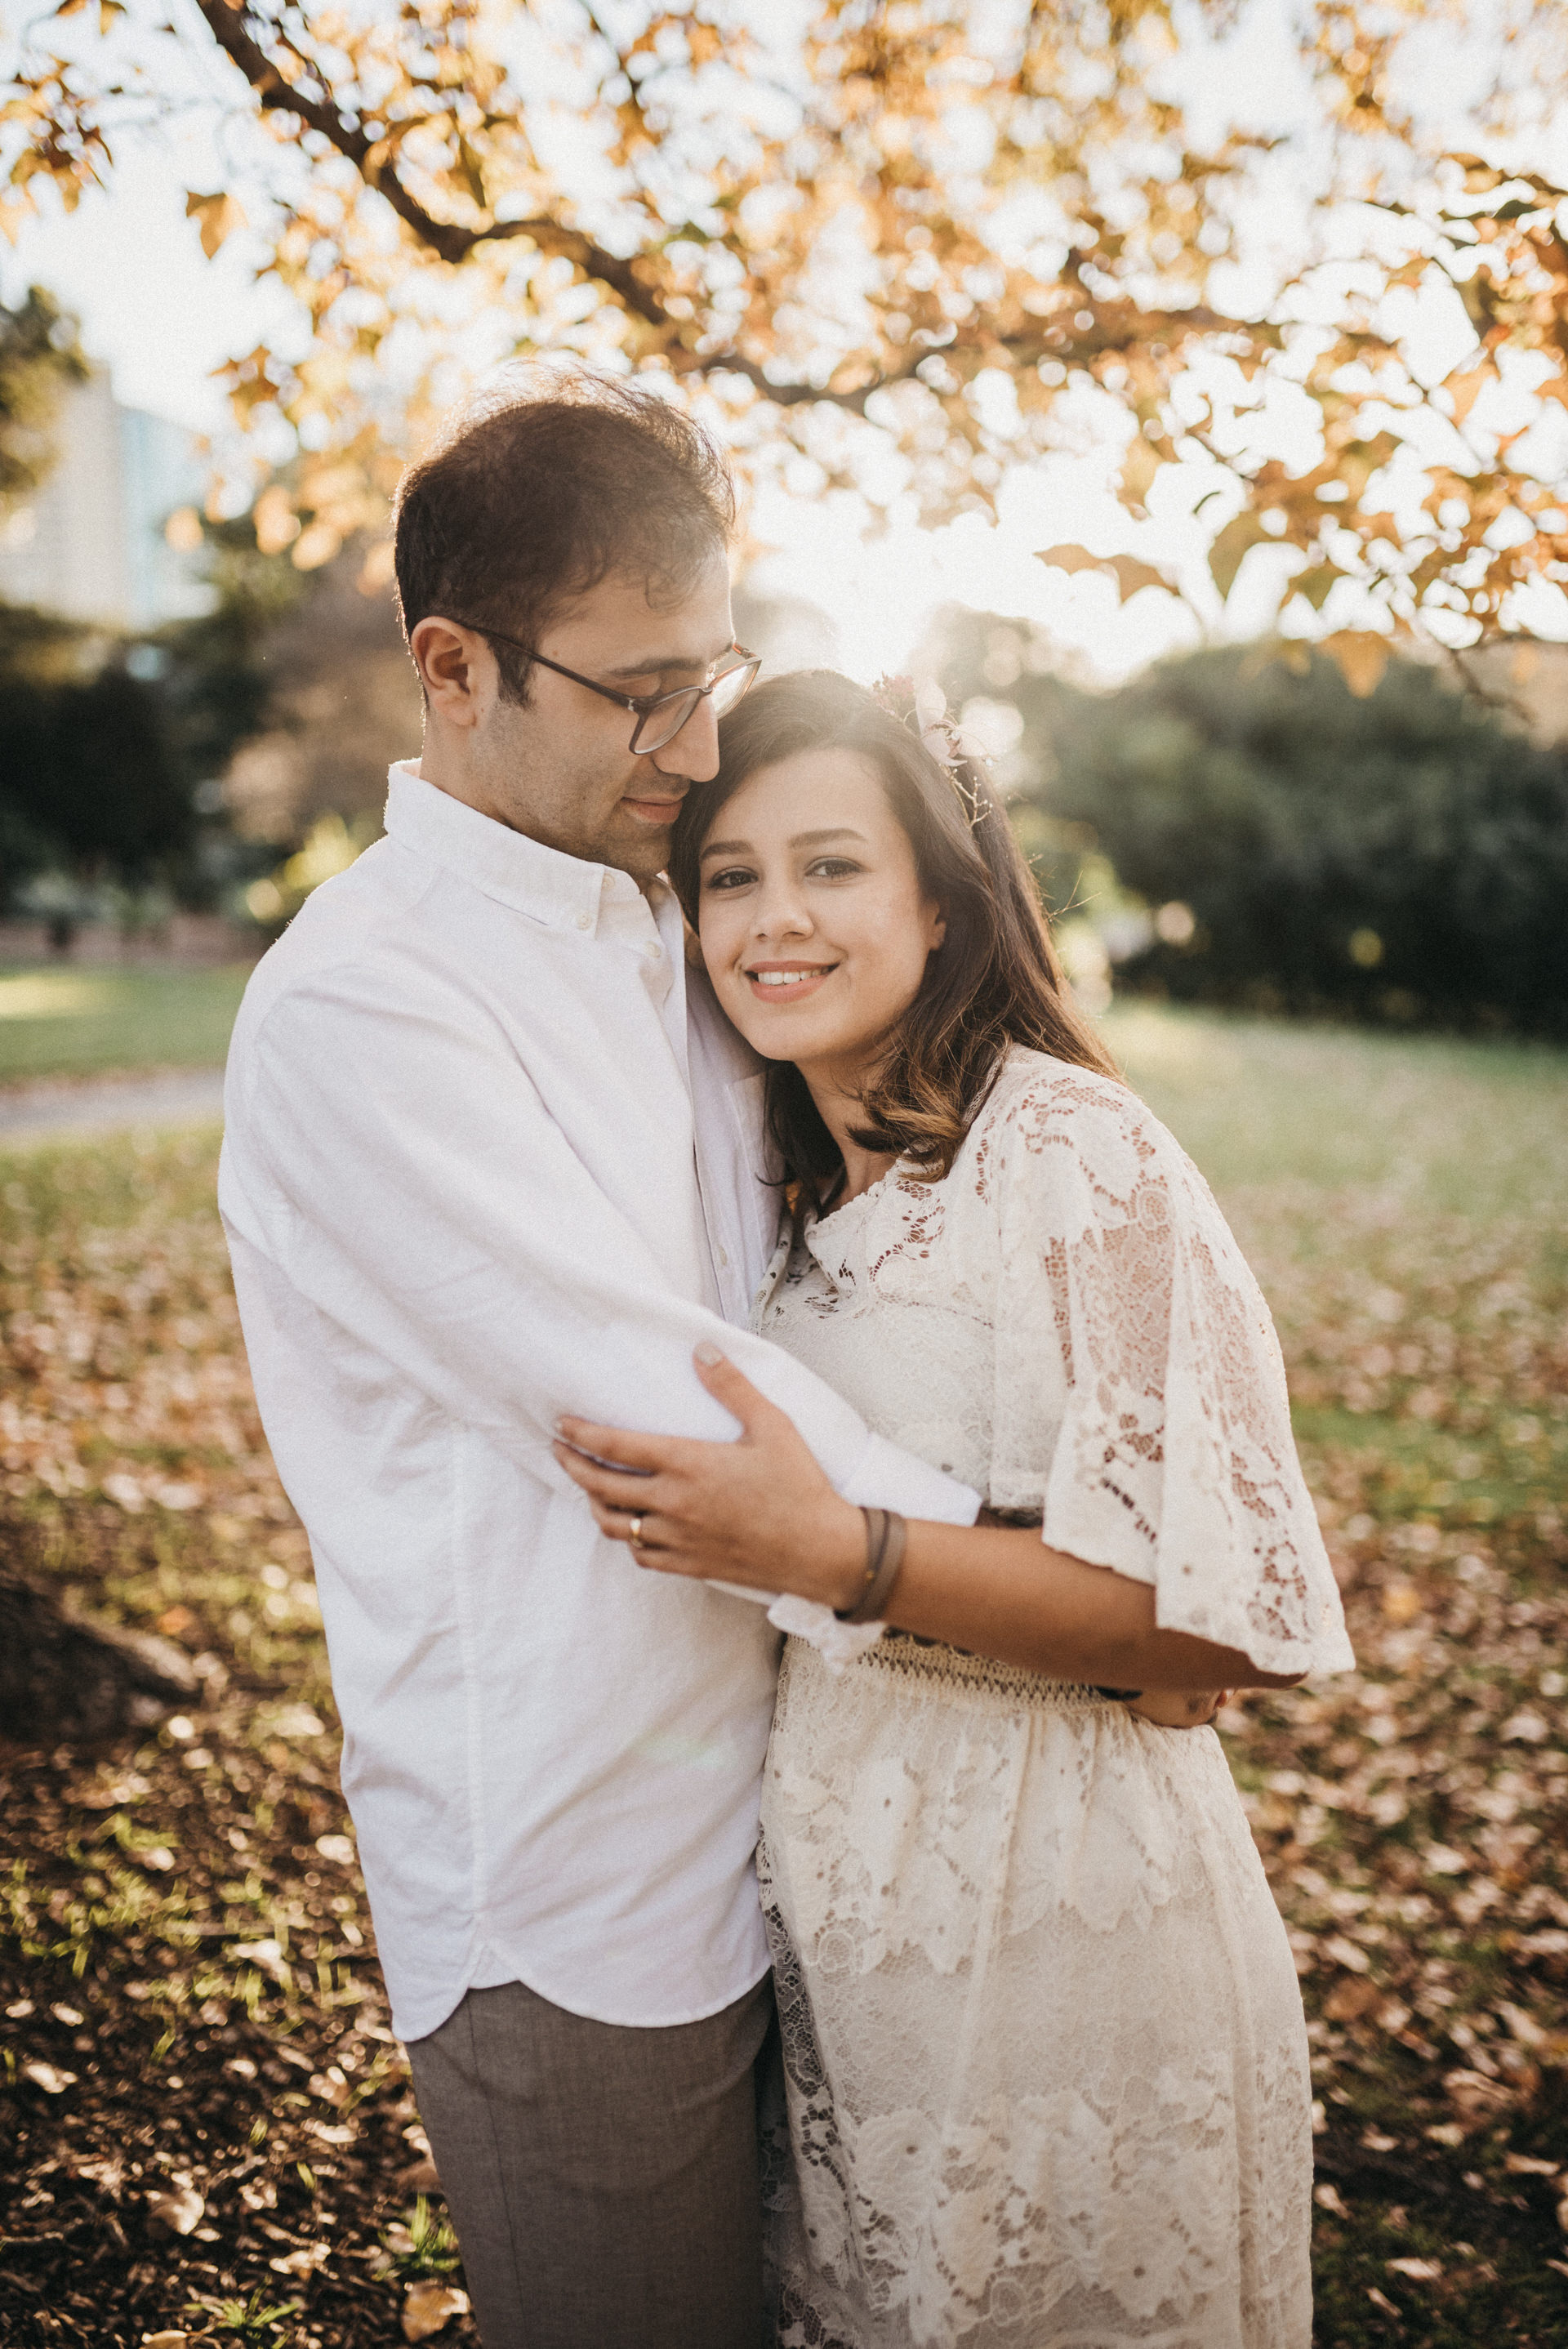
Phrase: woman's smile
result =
(777, 983)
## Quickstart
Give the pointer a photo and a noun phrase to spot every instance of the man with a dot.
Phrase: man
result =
(481, 1168)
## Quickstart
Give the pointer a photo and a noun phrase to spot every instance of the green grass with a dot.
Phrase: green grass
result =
(71, 1020)
(1424, 1122)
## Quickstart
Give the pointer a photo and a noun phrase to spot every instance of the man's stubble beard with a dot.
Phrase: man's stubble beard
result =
(538, 791)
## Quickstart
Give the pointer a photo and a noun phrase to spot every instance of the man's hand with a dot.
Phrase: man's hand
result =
(1180, 1708)
(758, 1512)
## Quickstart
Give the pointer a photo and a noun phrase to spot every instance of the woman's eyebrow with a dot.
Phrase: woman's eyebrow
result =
(799, 840)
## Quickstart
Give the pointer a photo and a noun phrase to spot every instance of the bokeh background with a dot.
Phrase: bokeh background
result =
(1185, 388)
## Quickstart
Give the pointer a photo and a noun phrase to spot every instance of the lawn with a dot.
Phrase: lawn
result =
(63, 1019)
(208, 2105)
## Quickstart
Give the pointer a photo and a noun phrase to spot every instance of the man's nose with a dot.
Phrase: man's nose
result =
(693, 751)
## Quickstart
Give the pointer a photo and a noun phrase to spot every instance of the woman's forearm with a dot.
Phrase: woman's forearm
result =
(998, 1591)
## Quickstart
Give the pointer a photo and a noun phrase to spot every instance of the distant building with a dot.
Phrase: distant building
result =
(90, 544)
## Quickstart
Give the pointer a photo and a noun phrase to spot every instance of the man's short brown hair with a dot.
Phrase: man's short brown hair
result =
(530, 498)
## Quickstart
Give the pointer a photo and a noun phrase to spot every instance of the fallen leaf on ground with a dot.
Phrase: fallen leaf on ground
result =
(180, 2209)
(45, 2076)
(303, 2262)
(267, 1958)
(429, 2308)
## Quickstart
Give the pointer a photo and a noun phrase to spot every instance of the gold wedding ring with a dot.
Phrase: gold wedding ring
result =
(635, 1534)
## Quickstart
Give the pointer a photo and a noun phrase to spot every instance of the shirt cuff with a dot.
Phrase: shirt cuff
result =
(886, 1478)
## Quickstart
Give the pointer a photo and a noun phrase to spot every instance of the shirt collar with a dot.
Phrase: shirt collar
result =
(565, 892)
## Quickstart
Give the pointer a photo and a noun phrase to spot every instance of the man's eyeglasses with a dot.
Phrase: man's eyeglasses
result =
(659, 715)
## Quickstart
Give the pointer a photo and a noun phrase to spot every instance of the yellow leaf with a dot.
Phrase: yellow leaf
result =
(1069, 558)
(1315, 584)
(1139, 468)
(217, 216)
(1464, 390)
(1243, 530)
(1131, 573)
(430, 2307)
(1362, 655)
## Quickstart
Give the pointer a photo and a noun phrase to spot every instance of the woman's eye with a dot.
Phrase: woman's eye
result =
(734, 876)
(834, 868)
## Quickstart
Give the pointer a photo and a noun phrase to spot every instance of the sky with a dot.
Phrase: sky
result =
(162, 317)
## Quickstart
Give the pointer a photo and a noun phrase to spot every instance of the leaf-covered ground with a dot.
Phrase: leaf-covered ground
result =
(207, 2114)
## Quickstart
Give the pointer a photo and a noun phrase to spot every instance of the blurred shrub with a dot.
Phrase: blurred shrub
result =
(91, 785)
(1402, 856)
(115, 746)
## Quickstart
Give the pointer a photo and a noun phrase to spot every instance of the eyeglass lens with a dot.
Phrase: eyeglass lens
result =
(662, 724)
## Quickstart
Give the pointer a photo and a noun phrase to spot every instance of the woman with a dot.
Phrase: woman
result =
(1046, 2061)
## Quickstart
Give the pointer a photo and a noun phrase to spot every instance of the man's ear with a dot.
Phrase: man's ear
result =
(457, 669)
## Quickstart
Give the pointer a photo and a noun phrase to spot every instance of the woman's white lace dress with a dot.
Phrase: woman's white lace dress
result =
(1045, 2065)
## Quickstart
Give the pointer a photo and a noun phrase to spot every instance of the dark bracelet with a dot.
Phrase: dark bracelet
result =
(1119, 1696)
(886, 1533)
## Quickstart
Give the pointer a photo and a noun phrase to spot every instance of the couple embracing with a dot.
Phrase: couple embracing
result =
(792, 1456)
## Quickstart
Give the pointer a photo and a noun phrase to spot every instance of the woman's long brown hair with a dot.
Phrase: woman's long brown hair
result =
(994, 982)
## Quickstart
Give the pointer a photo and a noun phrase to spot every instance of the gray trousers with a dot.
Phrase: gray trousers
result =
(602, 2181)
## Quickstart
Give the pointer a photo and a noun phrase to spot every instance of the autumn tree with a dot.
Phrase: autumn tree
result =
(39, 359)
(905, 249)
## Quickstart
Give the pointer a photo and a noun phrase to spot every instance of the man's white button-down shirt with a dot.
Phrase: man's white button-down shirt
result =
(468, 1107)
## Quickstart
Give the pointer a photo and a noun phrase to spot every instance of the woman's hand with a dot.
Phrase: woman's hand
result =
(757, 1512)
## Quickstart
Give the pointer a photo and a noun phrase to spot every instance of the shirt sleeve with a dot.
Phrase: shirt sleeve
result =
(401, 1169)
(1128, 1315)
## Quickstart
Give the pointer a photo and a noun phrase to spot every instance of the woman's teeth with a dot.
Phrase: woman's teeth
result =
(785, 977)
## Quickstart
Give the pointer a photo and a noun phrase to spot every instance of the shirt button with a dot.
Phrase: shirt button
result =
(584, 921)
(724, 1259)
(655, 953)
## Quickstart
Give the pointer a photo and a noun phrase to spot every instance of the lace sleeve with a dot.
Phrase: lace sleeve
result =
(1129, 1317)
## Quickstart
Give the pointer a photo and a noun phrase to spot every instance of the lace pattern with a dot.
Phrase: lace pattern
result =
(1067, 1322)
(1046, 2068)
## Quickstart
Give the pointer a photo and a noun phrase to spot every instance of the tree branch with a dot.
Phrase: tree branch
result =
(453, 242)
(450, 241)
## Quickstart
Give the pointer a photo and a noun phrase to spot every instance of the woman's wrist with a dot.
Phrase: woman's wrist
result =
(833, 1567)
(886, 1533)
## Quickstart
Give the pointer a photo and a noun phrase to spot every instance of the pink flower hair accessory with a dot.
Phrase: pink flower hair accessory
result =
(923, 709)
